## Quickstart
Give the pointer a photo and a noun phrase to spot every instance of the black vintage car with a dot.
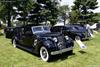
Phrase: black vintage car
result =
(39, 40)
(75, 31)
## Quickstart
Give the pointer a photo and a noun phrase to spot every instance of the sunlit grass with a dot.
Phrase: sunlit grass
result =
(14, 57)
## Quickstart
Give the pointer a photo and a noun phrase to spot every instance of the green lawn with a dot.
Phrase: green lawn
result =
(14, 57)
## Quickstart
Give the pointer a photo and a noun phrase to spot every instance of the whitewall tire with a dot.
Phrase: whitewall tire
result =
(44, 54)
(14, 43)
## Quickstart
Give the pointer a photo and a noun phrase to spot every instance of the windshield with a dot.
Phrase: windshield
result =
(40, 29)
(37, 29)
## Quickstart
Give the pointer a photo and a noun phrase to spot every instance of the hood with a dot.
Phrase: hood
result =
(79, 29)
(50, 34)
(82, 30)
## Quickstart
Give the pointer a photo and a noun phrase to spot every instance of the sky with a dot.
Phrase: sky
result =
(70, 3)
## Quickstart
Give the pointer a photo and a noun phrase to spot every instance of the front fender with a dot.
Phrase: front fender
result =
(48, 43)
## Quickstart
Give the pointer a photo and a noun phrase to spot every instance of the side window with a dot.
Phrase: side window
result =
(28, 30)
(64, 28)
(18, 31)
(68, 28)
(53, 29)
(57, 29)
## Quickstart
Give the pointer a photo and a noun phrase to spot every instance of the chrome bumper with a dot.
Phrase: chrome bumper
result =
(61, 51)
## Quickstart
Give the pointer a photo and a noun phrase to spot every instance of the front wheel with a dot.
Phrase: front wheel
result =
(44, 54)
(77, 38)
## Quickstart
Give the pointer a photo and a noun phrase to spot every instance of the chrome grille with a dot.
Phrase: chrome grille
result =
(60, 38)
(60, 43)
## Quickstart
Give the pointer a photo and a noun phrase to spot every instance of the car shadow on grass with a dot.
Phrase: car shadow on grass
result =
(1, 34)
(54, 58)
(86, 40)
(61, 57)
(82, 52)
(30, 52)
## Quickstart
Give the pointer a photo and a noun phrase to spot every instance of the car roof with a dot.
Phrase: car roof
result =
(30, 25)
(71, 25)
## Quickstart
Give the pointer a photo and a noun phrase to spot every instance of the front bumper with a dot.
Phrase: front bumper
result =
(61, 51)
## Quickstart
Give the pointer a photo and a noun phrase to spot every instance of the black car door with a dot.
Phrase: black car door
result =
(27, 37)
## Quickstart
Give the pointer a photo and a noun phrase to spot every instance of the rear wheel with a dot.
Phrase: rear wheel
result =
(44, 54)
(14, 42)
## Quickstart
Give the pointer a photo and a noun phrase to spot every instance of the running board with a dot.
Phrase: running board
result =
(27, 49)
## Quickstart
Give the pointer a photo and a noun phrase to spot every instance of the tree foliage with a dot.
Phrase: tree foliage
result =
(34, 11)
(85, 7)
(23, 9)
(63, 12)
(7, 11)
(43, 11)
(74, 16)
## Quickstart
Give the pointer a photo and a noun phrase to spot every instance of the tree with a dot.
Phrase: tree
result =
(63, 10)
(29, 11)
(85, 7)
(23, 9)
(6, 9)
(43, 11)
(74, 16)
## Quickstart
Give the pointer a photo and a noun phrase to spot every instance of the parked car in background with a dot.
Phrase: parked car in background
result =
(75, 31)
(39, 40)
(9, 32)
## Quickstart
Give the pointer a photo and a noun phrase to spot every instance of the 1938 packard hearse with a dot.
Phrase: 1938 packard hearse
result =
(39, 40)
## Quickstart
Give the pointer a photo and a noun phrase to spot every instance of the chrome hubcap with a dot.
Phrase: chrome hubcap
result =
(44, 53)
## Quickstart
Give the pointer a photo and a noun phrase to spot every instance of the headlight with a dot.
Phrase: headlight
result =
(67, 38)
(35, 42)
(55, 39)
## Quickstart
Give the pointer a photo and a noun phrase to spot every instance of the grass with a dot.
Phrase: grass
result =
(14, 57)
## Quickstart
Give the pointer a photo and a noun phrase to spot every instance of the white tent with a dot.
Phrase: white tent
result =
(94, 26)
(59, 24)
